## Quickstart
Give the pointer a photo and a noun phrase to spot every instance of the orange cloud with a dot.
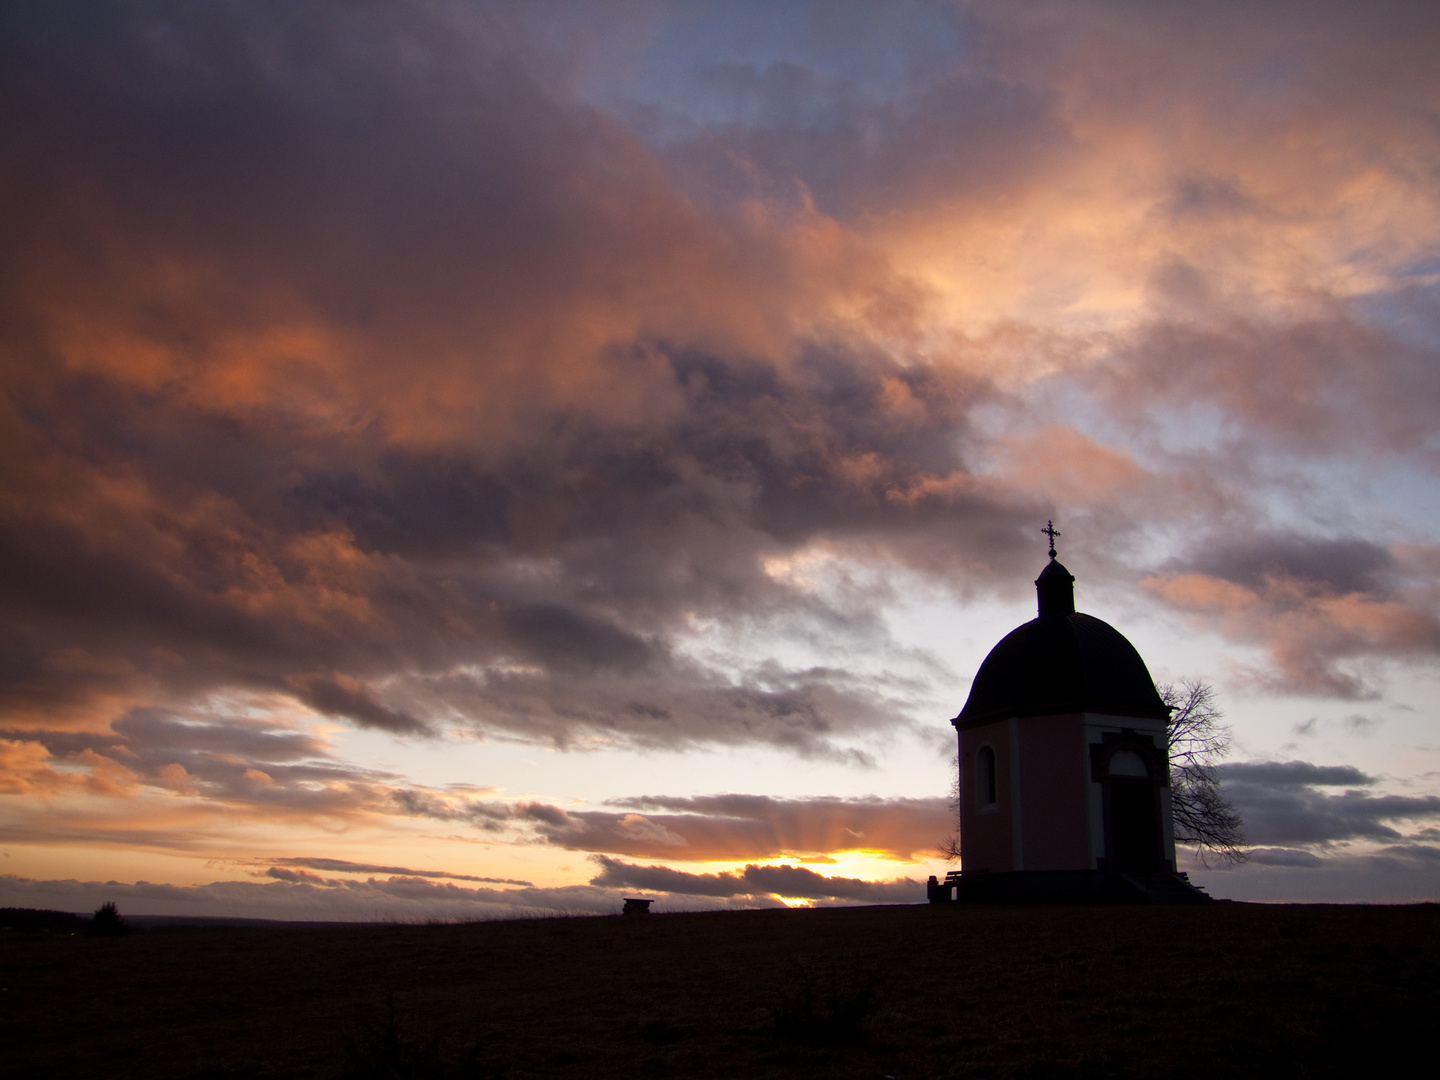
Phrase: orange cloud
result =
(1062, 464)
(1201, 592)
(733, 828)
(1308, 630)
(25, 770)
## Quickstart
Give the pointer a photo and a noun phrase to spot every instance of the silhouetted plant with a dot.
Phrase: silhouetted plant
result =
(829, 1005)
(381, 1049)
(949, 846)
(106, 922)
(1203, 816)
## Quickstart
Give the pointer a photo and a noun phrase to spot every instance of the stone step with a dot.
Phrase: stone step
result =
(1165, 889)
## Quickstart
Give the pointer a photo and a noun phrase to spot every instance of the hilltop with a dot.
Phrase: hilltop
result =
(1218, 990)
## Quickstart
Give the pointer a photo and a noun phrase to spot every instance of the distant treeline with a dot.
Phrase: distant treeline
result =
(33, 921)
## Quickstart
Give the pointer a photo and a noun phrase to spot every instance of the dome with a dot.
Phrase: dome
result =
(1062, 662)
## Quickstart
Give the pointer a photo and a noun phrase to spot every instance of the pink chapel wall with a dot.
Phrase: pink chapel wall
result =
(1049, 816)
(1054, 782)
(1043, 821)
(986, 834)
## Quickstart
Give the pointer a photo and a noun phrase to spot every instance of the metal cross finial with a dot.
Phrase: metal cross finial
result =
(1052, 532)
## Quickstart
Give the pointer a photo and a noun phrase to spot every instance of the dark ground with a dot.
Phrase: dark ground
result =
(1214, 991)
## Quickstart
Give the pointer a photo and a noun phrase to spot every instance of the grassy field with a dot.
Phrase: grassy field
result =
(1220, 990)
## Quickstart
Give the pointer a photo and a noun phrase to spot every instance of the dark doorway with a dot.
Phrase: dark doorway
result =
(1134, 826)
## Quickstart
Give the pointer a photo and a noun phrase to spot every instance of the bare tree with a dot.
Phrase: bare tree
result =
(950, 846)
(1198, 741)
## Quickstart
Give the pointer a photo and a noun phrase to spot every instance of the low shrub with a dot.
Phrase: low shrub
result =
(106, 922)
(827, 1003)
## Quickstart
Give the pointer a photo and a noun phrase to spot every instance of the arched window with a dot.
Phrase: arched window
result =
(985, 786)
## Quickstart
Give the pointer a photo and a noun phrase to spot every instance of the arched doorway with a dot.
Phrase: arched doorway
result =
(1133, 826)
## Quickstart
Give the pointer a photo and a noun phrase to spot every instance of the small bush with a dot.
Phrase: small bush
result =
(106, 922)
(828, 1005)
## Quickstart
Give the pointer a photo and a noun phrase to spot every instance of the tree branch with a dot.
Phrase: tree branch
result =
(1198, 740)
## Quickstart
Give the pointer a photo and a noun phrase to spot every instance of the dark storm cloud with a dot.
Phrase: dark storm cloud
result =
(338, 696)
(1407, 857)
(789, 881)
(148, 730)
(559, 638)
(1292, 774)
(375, 375)
(683, 704)
(279, 597)
(64, 743)
(1285, 804)
(351, 357)
(482, 813)
(1336, 565)
(1267, 856)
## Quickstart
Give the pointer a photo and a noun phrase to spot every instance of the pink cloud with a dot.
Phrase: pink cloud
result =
(1308, 630)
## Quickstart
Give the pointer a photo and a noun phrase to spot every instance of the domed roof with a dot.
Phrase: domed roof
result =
(1062, 662)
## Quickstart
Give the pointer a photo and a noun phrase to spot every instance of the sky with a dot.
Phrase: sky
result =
(461, 460)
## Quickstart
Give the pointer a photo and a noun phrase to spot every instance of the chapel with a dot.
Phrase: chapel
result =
(1064, 766)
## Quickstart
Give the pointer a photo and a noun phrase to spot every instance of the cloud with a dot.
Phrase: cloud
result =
(25, 769)
(325, 566)
(343, 867)
(468, 401)
(1283, 804)
(685, 705)
(426, 369)
(754, 881)
(1272, 856)
(301, 896)
(226, 758)
(1291, 774)
(1315, 604)
(221, 755)
(199, 770)
(1336, 566)
(1410, 856)
(341, 695)
(735, 827)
